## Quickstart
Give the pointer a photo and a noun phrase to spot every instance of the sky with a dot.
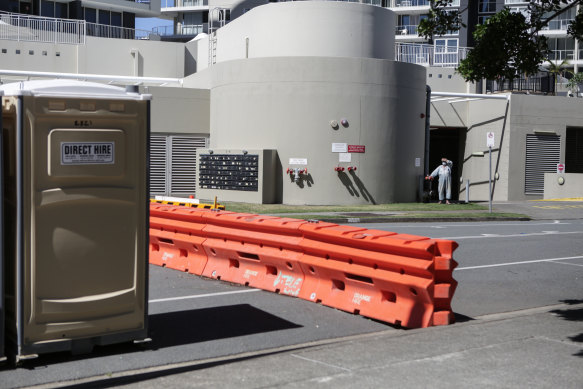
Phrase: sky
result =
(149, 23)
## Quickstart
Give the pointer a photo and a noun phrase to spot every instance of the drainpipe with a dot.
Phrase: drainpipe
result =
(427, 124)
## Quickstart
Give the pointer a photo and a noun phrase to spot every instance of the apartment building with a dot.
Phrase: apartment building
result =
(106, 18)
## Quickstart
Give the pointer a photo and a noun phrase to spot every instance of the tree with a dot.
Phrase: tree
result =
(557, 70)
(574, 83)
(507, 45)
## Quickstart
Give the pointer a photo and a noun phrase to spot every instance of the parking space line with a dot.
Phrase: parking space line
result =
(567, 263)
(197, 296)
(518, 263)
(490, 236)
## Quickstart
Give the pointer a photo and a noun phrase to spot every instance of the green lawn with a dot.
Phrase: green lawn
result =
(408, 207)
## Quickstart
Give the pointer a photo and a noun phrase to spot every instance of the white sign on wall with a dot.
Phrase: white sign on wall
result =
(560, 168)
(298, 161)
(417, 162)
(490, 139)
(339, 147)
(344, 157)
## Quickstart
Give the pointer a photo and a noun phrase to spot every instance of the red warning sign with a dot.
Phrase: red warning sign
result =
(560, 168)
(356, 148)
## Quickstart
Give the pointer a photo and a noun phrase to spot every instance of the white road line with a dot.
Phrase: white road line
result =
(490, 236)
(453, 224)
(567, 263)
(198, 296)
(320, 363)
(518, 263)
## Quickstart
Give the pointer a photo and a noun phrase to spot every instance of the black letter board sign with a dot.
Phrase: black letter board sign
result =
(229, 172)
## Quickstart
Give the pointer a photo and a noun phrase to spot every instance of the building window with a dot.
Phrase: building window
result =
(104, 17)
(487, 6)
(47, 8)
(116, 19)
(90, 15)
(61, 10)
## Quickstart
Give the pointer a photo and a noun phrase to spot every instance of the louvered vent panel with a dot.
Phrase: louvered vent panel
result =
(542, 156)
(158, 164)
(183, 162)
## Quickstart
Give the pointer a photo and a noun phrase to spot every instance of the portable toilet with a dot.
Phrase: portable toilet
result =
(76, 215)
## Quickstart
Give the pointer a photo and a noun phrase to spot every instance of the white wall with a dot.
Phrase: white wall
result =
(307, 28)
(288, 103)
(97, 56)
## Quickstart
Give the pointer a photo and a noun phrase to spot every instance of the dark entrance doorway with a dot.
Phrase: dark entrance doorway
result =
(448, 143)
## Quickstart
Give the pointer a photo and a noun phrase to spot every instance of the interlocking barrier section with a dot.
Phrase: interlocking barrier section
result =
(401, 279)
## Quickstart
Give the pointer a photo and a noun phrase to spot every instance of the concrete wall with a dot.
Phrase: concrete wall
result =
(180, 110)
(288, 104)
(486, 116)
(122, 57)
(531, 113)
(571, 187)
(323, 29)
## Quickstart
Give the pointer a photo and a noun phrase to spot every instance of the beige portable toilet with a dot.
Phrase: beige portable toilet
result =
(2, 304)
(76, 215)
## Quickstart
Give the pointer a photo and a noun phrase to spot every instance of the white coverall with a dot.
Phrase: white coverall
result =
(444, 172)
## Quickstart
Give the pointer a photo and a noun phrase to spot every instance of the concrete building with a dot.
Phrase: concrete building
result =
(316, 86)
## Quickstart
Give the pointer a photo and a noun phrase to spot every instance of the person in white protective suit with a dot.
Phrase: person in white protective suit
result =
(444, 172)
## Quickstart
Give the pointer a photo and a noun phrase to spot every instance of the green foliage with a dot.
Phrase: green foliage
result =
(575, 81)
(504, 48)
(508, 44)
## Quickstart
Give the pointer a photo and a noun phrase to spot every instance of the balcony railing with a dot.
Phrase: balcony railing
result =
(184, 3)
(410, 3)
(106, 31)
(63, 31)
(189, 30)
(38, 29)
(559, 55)
(561, 24)
(429, 55)
(407, 29)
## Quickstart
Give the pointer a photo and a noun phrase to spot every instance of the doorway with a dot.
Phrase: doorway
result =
(448, 143)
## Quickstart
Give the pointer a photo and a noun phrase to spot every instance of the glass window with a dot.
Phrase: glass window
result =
(487, 6)
(13, 6)
(116, 19)
(91, 15)
(104, 17)
(61, 10)
(47, 8)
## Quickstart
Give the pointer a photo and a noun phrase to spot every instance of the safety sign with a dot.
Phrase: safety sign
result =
(84, 153)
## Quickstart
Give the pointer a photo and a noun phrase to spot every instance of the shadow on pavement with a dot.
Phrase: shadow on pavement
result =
(201, 325)
(140, 377)
(572, 315)
(181, 328)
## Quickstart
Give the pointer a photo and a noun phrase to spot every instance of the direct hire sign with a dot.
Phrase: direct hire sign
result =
(83, 153)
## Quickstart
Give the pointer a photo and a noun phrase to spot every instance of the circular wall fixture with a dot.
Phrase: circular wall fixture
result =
(561, 180)
(497, 176)
(344, 122)
(334, 124)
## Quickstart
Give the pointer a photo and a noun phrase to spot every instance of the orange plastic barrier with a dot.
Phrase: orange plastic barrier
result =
(176, 238)
(378, 274)
(258, 251)
(397, 278)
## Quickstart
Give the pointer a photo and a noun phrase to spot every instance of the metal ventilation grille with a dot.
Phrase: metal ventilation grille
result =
(158, 164)
(183, 162)
(543, 153)
(574, 151)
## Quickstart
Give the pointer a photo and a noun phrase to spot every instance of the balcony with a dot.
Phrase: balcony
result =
(557, 25)
(184, 4)
(429, 55)
(181, 30)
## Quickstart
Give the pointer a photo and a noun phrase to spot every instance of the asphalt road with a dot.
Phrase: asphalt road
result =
(503, 268)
